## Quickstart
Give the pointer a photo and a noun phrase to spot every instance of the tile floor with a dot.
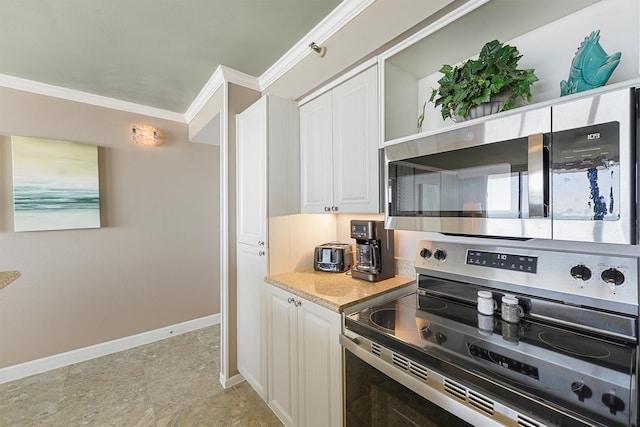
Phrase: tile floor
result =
(173, 382)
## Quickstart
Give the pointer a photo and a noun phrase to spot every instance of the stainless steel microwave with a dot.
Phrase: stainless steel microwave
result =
(565, 171)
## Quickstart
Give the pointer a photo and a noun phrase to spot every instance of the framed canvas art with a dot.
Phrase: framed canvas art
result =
(55, 184)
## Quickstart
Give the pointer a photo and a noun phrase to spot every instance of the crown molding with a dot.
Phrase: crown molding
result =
(240, 78)
(213, 84)
(86, 98)
(338, 18)
(221, 75)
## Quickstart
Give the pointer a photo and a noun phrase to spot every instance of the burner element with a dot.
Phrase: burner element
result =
(574, 344)
(394, 320)
(432, 304)
(386, 319)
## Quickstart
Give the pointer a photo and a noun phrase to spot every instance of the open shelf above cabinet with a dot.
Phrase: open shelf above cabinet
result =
(546, 32)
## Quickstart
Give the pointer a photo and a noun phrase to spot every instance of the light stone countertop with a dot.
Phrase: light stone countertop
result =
(336, 291)
(6, 277)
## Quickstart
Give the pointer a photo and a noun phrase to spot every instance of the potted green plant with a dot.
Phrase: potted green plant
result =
(492, 78)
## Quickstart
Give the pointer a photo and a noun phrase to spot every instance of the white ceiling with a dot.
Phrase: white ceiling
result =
(154, 53)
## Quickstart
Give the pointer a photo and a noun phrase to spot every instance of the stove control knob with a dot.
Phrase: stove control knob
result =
(583, 392)
(581, 271)
(440, 255)
(613, 276)
(613, 402)
(441, 337)
(425, 253)
(426, 333)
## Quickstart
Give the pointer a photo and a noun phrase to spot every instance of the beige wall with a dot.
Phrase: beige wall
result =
(155, 261)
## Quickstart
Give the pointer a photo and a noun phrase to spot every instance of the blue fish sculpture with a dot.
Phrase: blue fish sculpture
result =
(591, 66)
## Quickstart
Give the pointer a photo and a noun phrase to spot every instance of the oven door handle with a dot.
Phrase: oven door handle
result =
(538, 169)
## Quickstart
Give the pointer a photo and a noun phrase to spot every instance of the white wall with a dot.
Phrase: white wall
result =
(155, 261)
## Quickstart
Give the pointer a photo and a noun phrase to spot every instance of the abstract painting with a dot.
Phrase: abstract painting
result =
(55, 184)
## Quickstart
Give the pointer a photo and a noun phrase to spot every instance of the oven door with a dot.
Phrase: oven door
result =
(379, 395)
(487, 179)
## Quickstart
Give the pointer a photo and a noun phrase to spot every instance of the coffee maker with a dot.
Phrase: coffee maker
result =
(374, 251)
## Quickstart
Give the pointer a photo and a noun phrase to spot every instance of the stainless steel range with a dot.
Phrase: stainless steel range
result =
(569, 357)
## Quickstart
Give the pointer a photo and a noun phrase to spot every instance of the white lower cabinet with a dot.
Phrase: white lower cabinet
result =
(252, 330)
(304, 361)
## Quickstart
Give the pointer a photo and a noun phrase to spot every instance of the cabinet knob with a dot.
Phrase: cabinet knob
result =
(260, 243)
(261, 253)
(327, 209)
(292, 300)
(334, 208)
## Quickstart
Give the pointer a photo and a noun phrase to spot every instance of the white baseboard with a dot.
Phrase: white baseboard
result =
(230, 382)
(22, 370)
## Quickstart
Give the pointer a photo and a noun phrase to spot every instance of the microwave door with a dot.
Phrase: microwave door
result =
(495, 189)
(594, 169)
(488, 178)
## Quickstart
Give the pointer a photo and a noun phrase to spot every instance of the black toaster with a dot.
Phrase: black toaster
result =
(334, 257)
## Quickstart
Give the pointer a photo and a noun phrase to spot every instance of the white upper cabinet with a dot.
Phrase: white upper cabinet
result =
(316, 154)
(252, 174)
(268, 172)
(339, 140)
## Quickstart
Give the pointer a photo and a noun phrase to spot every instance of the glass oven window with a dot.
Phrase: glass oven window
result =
(375, 400)
(486, 181)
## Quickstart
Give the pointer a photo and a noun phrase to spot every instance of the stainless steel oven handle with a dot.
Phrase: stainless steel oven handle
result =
(537, 173)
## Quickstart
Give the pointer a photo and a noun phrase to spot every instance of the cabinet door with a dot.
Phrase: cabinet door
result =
(251, 319)
(251, 172)
(282, 355)
(316, 155)
(355, 144)
(319, 368)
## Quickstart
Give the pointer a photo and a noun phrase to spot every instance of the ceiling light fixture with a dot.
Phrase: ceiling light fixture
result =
(144, 135)
(320, 50)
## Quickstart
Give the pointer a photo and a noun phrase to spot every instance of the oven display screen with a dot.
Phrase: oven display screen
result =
(526, 264)
(504, 361)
